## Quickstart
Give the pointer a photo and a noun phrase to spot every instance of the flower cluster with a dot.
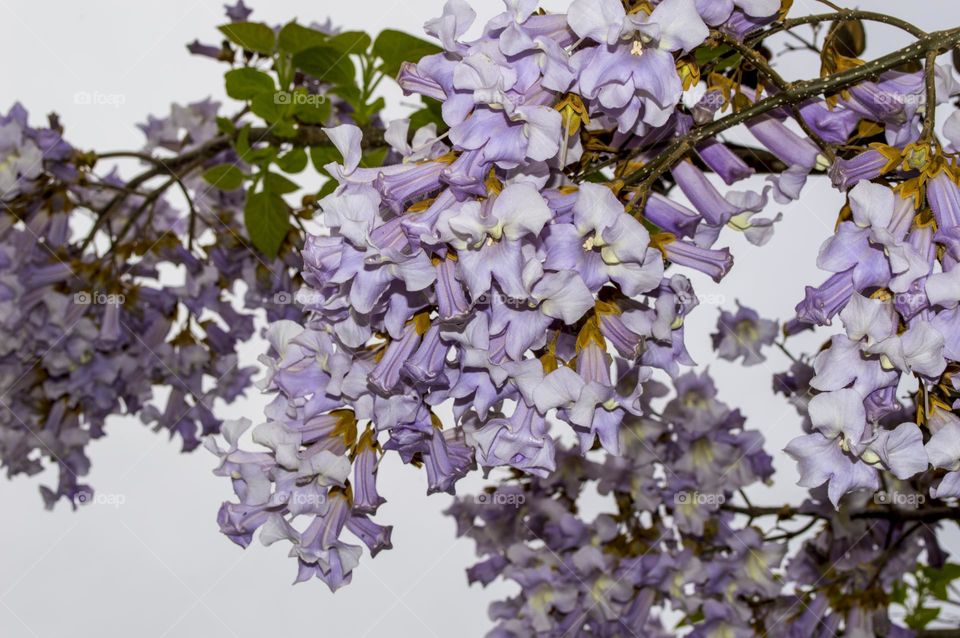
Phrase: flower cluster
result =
(500, 282)
(895, 291)
(618, 573)
(93, 323)
(471, 277)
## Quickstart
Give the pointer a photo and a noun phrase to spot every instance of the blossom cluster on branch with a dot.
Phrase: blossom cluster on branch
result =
(500, 282)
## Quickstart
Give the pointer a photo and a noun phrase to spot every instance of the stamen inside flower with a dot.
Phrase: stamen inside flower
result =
(747, 331)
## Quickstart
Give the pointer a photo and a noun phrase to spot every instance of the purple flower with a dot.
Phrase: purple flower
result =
(742, 335)
(521, 442)
(631, 72)
(866, 166)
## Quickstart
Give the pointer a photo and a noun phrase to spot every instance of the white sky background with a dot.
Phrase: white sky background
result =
(157, 566)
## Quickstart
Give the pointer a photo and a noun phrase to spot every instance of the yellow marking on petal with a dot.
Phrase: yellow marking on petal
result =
(494, 185)
(870, 457)
(606, 308)
(746, 330)
(421, 206)
(346, 493)
(541, 600)
(591, 334)
(882, 295)
(740, 222)
(886, 363)
(346, 427)
(689, 72)
(574, 112)
(600, 588)
(421, 323)
(637, 48)
(701, 453)
(549, 363)
(660, 241)
(368, 441)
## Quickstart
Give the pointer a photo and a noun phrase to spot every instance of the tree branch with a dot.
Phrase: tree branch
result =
(844, 15)
(754, 57)
(923, 515)
(797, 93)
(307, 135)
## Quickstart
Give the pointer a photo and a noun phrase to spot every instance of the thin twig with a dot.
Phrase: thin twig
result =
(797, 93)
(760, 63)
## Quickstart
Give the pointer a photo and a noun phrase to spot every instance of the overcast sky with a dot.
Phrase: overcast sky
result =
(156, 565)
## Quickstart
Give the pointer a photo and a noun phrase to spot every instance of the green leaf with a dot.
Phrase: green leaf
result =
(941, 578)
(226, 177)
(252, 36)
(247, 83)
(243, 143)
(350, 42)
(396, 47)
(294, 161)
(922, 616)
(277, 183)
(312, 109)
(366, 111)
(350, 94)
(326, 64)
(431, 113)
(225, 125)
(323, 155)
(267, 219)
(328, 187)
(252, 155)
(706, 54)
(729, 62)
(374, 157)
(261, 155)
(899, 593)
(284, 129)
(269, 106)
(294, 38)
